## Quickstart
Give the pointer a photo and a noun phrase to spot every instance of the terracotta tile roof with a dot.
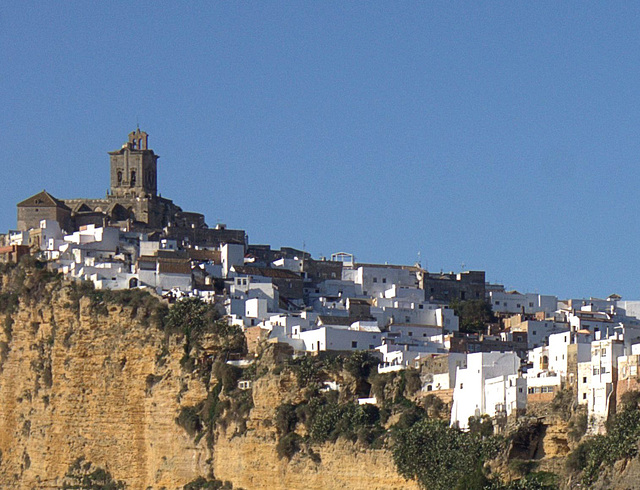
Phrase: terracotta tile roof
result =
(174, 266)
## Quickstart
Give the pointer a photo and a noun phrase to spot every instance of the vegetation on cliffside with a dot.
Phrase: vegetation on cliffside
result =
(620, 442)
(315, 398)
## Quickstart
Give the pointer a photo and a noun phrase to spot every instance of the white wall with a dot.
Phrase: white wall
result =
(231, 254)
(469, 396)
(327, 338)
(530, 303)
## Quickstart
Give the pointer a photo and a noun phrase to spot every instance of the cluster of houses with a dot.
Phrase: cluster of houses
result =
(537, 346)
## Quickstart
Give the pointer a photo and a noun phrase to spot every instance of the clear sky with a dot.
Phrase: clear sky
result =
(499, 135)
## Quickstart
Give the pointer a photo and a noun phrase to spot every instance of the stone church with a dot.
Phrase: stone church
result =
(132, 203)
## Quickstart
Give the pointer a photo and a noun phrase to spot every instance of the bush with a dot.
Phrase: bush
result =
(413, 383)
(84, 475)
(228, 375)
(481, 426)
(189, 419)
(360, 364)
(286, 419)
(438, 456)
(630, 399)
(288, 445)
(473, 314)
(621, 442)
(307, 369)
(523, 466)
(201, 483)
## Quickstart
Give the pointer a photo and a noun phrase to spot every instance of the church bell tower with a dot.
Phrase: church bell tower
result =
(134, 168)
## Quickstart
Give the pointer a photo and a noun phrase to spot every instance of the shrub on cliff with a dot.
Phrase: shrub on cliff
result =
(438, 456)
(193, 318)
(202, 483)
(84, 475)
(620, 442)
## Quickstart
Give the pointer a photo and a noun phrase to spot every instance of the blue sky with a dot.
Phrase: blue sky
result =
(503, 136)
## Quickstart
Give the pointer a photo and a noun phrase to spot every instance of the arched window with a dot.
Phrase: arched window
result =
(133, 178)
(119, 177)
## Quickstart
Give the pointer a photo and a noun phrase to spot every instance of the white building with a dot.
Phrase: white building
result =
(337, 339)
(514, 302)
(396, 357)
(490, 384)
(604, 367)
(374, 279)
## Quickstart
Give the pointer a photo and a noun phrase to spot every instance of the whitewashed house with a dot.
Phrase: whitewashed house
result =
(514, 302)
(490, 384)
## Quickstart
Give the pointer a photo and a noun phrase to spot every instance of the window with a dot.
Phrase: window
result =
(584, 396)
(371, 347)
(534, 333)
(596, 371)
(604, 352)
(354, 344)
(584, 379)
(460, 385)
(518, 305)
(497, 302)
(420, 307)
(410, 334)
(519, 390)
(384, 280)
(530, 305)
(375, 279)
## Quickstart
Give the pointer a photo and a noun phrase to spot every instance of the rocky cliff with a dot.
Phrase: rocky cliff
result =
(83, 377)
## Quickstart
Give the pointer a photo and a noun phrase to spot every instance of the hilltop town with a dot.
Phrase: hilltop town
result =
(483, 350)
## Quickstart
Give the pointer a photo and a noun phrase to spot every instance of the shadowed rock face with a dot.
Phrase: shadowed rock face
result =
(103, 384)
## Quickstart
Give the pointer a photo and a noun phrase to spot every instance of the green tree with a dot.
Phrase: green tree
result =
(474, 314)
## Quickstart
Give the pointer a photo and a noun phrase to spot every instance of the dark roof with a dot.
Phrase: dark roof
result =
(411, 268)
(174, 266)
(42, 199)
(212, 255)
(81, 207)
(341, 320)
(266, 272)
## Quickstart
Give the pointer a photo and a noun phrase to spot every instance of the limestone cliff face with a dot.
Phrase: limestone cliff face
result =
(251, 462)
(75, 384)
(106, 386)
